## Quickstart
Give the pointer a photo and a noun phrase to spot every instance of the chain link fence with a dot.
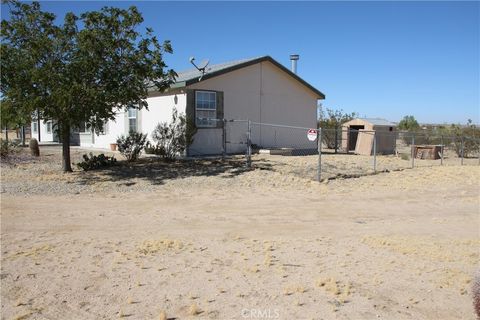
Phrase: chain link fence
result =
(324, 154)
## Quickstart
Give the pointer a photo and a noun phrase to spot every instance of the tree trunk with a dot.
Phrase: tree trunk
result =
(65, 134)
(38, 124)
(23, 136)
(6, 133)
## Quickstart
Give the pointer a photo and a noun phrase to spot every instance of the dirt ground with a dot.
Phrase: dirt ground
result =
(229, 243)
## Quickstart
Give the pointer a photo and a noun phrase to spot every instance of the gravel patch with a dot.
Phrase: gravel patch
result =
(26, 175)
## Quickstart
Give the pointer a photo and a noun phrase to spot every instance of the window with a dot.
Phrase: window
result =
(34, 127)
(132, 119)
(83, 128)
(205, 108)
(49, 126)
(104, 128)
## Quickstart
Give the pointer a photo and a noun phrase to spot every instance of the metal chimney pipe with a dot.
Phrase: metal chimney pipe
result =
(294, 58)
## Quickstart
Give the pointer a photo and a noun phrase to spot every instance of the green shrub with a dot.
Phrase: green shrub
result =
(331, 123)
(470, 135)
(7, 148)
(173, 138)
(132, 145)
(152, 149)
(408, 123)
(95, 162)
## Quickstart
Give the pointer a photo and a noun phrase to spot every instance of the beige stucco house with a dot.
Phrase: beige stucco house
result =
(257, 89)
(261, 90)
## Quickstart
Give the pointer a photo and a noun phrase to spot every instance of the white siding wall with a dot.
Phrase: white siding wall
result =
(159, 110)
(44, 136)
(115, 129)
(261, 93)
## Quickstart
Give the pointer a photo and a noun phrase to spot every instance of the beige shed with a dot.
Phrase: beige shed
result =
(357, 136)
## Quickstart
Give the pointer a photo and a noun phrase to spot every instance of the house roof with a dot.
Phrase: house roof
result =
(188, 77)
(379, 122)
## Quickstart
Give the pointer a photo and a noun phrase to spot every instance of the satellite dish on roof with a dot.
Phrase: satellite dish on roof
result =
(201, 67)
(203, 64)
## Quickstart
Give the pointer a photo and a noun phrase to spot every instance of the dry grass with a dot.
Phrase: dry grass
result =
(149, 247)
(23, 316)
(33, 251)
(194, 310)
(176, 245)
(335, 287)
(162, 315)
(427, 248)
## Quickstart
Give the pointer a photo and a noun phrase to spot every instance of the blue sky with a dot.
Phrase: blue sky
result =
(380, 59)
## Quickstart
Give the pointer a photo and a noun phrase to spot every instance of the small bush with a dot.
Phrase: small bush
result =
(467, 136)
(405, 156)
(152, 149)
(132, 145)
(8, 148)
(95, 162)
(174, 137)
(331, 123)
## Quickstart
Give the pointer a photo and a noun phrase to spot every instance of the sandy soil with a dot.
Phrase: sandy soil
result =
(30, 176)
(261, 244)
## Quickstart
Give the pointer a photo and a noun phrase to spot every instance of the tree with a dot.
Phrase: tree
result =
(12, 117)
(408, 123)
(331, 124)
(84, 70)
(466, 138)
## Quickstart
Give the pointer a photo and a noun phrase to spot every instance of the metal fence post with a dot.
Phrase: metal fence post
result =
(336, 138)
(441, 150)
(319, 146)
(224, 139)
(374, 152)
(462, 151)
(413, 150)
(478, 152)
(249, 144)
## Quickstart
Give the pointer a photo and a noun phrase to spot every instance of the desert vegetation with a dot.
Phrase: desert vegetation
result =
(132, 145)
(170, 140)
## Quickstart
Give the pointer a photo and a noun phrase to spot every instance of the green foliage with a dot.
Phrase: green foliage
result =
(468, 136)
(95, 162)
(8, 148)
(152, 148)
(85, 69)
(452, 136)
(331, 123)
(408, 123)
(12, 117)
(174, 137)
(132, 145)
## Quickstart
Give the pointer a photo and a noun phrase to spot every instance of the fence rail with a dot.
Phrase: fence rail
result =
(340, 152)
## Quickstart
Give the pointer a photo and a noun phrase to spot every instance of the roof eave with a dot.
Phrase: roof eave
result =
(319, 94)
(178, 85)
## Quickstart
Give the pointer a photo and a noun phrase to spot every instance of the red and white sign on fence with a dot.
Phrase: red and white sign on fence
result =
(312, 134)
